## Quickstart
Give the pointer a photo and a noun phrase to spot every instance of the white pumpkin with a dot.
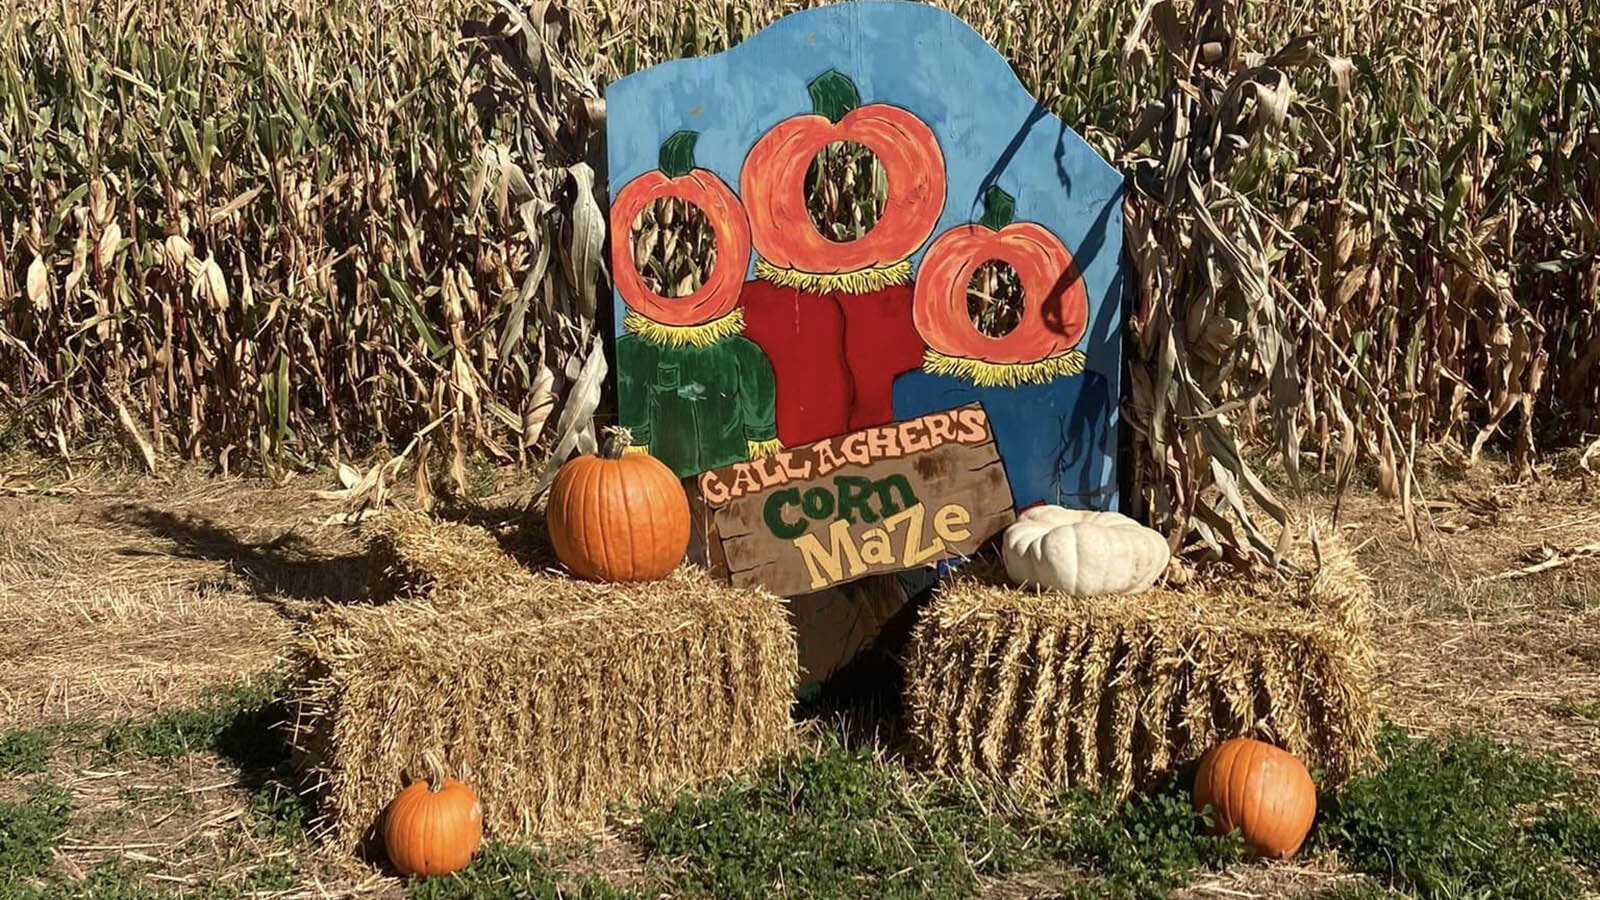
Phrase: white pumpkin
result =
(1083, 553)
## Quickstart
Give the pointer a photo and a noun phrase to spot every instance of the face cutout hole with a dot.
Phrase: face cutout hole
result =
(846, 189)
(674, 247)
(994, 298)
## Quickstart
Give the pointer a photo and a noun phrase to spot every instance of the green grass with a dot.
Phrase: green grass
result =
(1143, 848)
(111, 881)
(270, 877)
(505, 872)
(280, 813)
(237, 721)
(1462, 817)
(838, 824)
(1447, 818)
(30, 828)
(831, 824)
(1456, 817)
(24, 751)
(173, 797)
(125, 881)
(119, 880)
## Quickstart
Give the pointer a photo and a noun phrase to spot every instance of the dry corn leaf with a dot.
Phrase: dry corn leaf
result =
(110, 243)
(238, 203)
(147, 453)
(38, 286)
(588, 239)
(577, 416)
(80, 266)
(543, 403)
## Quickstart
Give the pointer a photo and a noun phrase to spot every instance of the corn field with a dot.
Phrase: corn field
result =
(277, 233)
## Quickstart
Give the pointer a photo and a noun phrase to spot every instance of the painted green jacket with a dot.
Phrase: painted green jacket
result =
(696, 407)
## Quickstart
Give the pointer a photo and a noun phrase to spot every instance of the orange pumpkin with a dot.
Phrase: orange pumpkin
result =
(1055, 309)
(678, 177)
(618, 517)
(773, 183)
(434, 826)
(1259, 789)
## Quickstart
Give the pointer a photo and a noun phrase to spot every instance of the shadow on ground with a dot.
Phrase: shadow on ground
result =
(288, 566)
(864, 701)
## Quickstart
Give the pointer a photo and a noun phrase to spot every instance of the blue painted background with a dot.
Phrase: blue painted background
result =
(990, 130)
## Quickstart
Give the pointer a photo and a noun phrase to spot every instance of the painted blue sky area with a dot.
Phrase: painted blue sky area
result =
(911, 55)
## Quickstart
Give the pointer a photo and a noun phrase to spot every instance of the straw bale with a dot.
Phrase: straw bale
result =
(1045, 691)
(413, 556)
(551, 697)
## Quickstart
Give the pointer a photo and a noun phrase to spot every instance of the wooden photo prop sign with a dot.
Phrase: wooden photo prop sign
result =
(885, 225)
(884, 499)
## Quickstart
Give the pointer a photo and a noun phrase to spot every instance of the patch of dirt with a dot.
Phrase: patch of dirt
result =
(606, 855)
(119, 598)
(1290, 879)
(1049, 882)
(1294, 880)
(1471, 632)
(188, 824)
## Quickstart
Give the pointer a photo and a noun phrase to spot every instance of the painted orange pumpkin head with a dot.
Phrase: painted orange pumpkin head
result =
(1264, 792)
(618, 517)
(434, 826)
(774, 182)
(1055, 308)
(677, 177)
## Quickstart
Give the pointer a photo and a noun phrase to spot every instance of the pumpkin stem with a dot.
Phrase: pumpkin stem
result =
(435, 771)
(677, 154)
(833, 95)
(618, 440)
(999, 208)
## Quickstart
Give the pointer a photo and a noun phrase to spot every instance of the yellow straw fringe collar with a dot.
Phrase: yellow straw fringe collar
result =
(754, 449)
(759, 449)
(703, 335)
(861, 281)
(989, 374)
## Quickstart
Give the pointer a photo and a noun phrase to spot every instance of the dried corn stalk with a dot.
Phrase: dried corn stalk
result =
(363, 224)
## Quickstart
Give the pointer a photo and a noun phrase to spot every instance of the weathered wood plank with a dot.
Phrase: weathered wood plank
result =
(883, 499)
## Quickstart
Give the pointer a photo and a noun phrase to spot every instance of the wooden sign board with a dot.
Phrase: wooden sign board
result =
(883, 499)
(800, 329)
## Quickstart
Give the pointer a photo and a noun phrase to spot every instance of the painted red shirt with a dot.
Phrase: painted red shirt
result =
(834, 355)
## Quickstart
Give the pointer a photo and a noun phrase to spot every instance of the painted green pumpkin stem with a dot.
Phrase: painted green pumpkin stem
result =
(833, 95)
(999, 208)
(677, 153)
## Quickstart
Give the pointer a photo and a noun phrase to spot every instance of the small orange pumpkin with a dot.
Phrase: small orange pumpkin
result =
(1055, 309)
(773, 183)
(678, 177)
(618, 517)
(1259, 789)
(434, 826)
